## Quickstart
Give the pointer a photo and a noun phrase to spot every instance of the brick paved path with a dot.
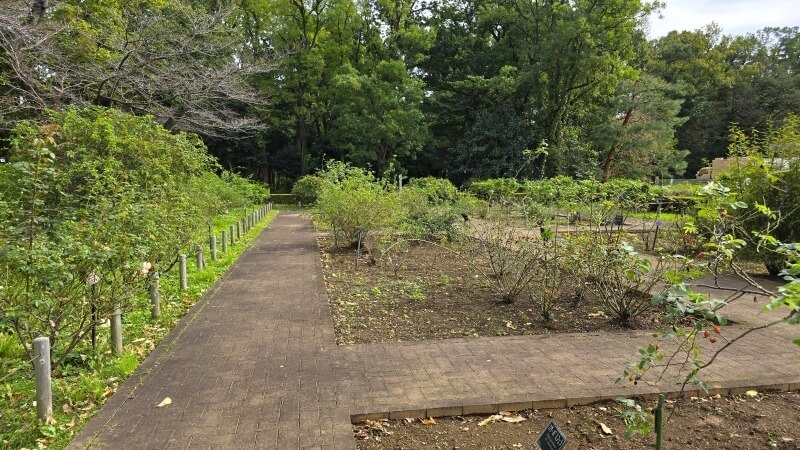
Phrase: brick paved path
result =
(255, 365)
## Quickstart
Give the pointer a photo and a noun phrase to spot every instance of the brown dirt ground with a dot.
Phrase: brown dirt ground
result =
(739, 422)
(438, 295)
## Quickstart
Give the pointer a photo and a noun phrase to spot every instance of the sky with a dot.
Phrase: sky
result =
(735, 17)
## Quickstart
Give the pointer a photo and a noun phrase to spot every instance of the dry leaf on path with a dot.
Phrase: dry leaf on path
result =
(513, 419)
(165, 402)
(428, 421)
(605, 428)
(751, 393)
(490, 419)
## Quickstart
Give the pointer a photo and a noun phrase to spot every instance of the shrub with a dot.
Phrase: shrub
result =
(437, 190)
(472, 206)
(496, 189)
(435, 207)
(306, 189)
(101, 192)
(249, 192)
(767, 174)
(514, 259)
(623, 279)
(356, 206)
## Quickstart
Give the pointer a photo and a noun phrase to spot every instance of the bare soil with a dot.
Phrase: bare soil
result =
(438, 293)
(738, 422)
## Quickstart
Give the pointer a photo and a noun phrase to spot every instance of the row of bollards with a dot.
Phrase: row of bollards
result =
(41, 345)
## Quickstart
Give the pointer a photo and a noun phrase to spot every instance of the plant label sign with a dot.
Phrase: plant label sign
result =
(552, 438)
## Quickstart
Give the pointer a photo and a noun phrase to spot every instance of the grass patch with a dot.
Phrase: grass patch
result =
(83, 383)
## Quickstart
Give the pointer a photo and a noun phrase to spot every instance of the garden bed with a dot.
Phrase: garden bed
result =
(737, 422)
(437, 294)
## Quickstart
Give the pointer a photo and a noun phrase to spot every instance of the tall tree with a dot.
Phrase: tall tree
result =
(642, 133)
(178, 61)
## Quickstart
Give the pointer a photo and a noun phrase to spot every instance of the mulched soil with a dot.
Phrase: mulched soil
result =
(436, 295)
(739, 422)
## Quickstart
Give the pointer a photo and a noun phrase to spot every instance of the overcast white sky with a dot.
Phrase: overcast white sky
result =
(734, 16)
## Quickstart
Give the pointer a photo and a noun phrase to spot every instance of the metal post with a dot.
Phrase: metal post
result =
(44, 390)
(184, 277)
(659, 422)
(94, 316)
(155, 297)
(116, 331)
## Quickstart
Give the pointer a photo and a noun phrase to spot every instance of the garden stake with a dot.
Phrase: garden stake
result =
(94, 317)
(213, 245)
(659, 421)
(224, 241)
(44, 392)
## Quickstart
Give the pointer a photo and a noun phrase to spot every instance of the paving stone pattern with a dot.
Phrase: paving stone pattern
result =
(255, 365)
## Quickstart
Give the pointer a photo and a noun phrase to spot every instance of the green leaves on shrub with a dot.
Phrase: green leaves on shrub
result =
(97, 191)
(307, 189)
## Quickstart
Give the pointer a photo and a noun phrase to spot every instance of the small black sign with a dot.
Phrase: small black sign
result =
(552, 438)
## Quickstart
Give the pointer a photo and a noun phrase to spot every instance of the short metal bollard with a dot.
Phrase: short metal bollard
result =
(44, 389)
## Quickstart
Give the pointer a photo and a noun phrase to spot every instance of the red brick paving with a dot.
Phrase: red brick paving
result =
(255, 365)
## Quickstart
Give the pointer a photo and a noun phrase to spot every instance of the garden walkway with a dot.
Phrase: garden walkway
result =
(255, 365)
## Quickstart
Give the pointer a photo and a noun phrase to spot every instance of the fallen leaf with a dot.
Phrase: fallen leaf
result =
(513, 419)
(602, 408)
(409, 420)
(787, 439)
(67, 408)
(167, 401)
(597, 314)
(428, 421)
(490, 419)
(751, 393)
(464, 428)
(605, 428)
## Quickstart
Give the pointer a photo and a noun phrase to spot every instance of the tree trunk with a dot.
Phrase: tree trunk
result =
(612, 152)
(381, 162)
(301, 141)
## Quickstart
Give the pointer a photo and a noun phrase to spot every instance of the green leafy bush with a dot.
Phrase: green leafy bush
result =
(437, 190)
(495, 189)
(355, 205)
(98, 192)
(307, 188)
(435, 207)
(766, 174)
